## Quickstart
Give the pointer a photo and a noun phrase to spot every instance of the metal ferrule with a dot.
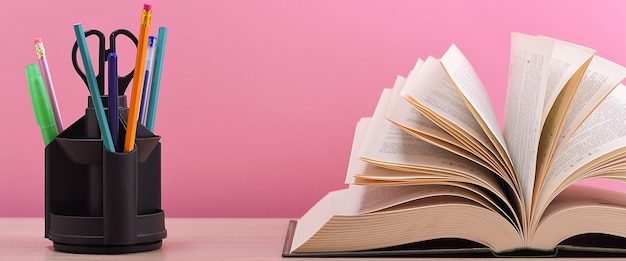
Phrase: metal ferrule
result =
(146, 16)
(41, 52)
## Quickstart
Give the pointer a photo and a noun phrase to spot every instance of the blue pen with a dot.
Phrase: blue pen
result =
(156, 78)
(147, 80)
(113, 107)
(94, 91)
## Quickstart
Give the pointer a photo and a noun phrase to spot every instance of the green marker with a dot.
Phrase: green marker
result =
(41, 104)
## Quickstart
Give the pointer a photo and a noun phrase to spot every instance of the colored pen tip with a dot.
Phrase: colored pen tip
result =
(37, 40)
(147, 6)
(151, 41)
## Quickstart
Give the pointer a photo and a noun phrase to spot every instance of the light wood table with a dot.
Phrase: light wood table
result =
(187, 239)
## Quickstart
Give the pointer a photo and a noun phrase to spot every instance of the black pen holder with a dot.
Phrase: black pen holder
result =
(102, 202)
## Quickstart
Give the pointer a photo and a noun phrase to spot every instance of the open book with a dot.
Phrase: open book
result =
(433, 165)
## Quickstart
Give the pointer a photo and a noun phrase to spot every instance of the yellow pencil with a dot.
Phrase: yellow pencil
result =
(135, 97)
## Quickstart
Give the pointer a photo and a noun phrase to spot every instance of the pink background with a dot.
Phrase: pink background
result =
(259, 99)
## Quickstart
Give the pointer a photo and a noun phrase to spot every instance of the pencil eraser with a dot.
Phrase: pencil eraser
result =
(37, 40)
(147, 6)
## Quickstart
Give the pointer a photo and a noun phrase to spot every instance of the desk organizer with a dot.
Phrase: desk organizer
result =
(102, 202)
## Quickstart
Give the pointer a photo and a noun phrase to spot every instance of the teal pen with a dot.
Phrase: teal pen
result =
(41, 104)
(105, 132)
(156, 78)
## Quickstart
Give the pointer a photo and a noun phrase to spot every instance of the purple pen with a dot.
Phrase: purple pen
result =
(47, 79)
(113, 96)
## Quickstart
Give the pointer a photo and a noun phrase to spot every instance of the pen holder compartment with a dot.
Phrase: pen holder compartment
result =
(97, 201)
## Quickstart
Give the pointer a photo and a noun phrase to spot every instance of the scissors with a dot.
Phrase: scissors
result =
(103, 55)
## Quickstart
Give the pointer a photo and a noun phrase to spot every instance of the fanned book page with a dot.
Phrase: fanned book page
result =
(432, 174)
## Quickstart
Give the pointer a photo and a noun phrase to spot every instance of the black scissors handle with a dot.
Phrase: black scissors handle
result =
(122, 81)
(103, 54)
(101, 57)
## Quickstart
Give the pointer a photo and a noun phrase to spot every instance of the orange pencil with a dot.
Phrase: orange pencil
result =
(135, 97)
